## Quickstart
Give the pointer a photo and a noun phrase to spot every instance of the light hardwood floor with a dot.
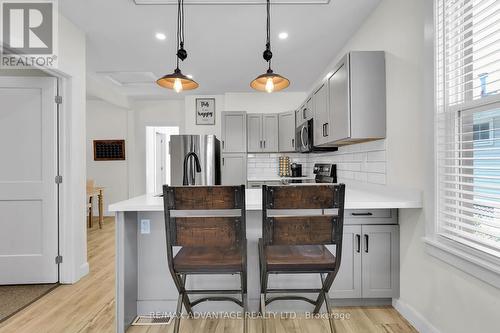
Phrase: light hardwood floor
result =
(88, 306)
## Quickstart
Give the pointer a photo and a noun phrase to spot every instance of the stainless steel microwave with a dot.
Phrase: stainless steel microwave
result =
(304, 139)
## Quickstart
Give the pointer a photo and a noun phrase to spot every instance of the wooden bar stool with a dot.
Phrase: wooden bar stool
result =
(208, 223)
(297, 223)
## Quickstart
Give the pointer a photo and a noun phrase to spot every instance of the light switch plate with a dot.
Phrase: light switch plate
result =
(145, 227)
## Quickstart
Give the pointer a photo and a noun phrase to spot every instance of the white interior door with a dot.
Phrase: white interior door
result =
(160, 161)
(28, 192)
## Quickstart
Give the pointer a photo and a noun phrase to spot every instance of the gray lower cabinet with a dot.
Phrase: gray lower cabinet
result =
(380, 261)
(234, 132)
(347, 283)
(370, 256)
(234, 169)
(287, 131)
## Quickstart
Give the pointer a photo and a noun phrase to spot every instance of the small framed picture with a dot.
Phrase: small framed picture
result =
(205, 111)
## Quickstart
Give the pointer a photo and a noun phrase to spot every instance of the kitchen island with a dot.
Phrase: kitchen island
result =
(144, 284)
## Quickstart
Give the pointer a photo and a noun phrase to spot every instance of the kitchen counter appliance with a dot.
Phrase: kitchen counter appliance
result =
(296, 169)
(304, 138)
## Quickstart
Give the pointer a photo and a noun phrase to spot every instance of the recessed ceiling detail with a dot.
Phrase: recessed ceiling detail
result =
(129, 78)
(232, 2)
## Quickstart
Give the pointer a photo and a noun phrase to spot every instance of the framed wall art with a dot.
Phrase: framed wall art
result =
(205, 111)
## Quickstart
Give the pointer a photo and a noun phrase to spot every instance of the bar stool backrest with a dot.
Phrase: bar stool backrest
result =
(303, 214)
(205, 216)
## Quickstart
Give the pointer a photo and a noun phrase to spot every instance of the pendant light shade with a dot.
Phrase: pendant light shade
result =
(269, 81)
(178, 81)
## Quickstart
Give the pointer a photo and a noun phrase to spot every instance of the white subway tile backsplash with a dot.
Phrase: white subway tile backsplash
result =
(363, 162)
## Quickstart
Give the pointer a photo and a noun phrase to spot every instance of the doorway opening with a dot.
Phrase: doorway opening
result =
(158, 156)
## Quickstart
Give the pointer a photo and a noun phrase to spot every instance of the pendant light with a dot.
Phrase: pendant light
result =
(177, 80)
(269, 81)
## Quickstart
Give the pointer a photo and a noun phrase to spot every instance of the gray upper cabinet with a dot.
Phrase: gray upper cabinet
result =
(254, 133)
(321, 115)
(270, 133)
(305, 112)
(233, 132)
(262, 133)
(234, 169)
(287, 131)
(357, 98)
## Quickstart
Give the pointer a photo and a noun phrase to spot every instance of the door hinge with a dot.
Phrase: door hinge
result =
(58, 99)
(58, 179)
(59, 259)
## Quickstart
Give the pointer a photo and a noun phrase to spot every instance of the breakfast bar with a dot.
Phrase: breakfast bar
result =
(144, 284)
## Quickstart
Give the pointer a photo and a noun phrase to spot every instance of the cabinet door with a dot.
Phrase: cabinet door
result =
(308, 111)
(234, 169)
(234, 132)
(270, 133)
(287, 131)
(254, 133)
(339, 103)
(347, 283)
(320, 105)
(380, 261)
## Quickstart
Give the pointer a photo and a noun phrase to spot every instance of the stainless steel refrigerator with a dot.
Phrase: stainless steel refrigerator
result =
(194, 160)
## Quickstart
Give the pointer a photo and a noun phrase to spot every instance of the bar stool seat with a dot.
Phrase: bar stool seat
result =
(208, 260)
(299, 258)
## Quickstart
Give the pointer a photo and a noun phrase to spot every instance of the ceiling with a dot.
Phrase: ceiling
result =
(224, 41)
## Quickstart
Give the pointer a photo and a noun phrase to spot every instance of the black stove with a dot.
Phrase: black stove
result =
(325, 173)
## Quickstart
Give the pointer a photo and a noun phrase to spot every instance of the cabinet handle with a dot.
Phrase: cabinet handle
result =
(358, 242)
(293, 143)
(362, 214)
(366, 243)
(304, 113)
(260, 144)
(326, 129)
(222, 144)
(223, 161)
(264, 143)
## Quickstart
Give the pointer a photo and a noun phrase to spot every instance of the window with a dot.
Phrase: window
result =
(468, 123)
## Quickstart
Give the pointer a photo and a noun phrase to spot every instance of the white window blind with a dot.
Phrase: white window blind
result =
(468, 122)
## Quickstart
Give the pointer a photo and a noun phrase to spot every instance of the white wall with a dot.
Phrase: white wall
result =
(106, 121)
(72, 66)
(433, 292)
(190, 116)
(257, 102)
(149, 113)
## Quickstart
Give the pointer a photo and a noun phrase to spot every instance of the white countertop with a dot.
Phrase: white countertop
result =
(275, 178)
(358, 196)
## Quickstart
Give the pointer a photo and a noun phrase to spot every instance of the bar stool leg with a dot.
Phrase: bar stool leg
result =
(326, 288)
(178, 313)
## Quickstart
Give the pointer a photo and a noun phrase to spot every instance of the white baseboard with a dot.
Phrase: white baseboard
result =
(83, 270)
(414, 317)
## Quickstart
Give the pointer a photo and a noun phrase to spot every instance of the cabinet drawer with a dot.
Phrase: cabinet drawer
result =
(254, 184)
(371, 216)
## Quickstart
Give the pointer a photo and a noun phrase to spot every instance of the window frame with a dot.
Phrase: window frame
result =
(475, 262)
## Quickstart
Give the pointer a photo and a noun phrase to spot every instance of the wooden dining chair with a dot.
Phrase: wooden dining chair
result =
(208, 224)
(297, 223)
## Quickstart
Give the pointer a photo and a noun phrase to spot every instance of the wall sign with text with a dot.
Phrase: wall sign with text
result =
(205, 111)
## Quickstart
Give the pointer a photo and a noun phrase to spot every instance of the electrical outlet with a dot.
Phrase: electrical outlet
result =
(145, 226)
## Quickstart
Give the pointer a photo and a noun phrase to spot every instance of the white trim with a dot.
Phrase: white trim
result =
(464, 259)
(418, 321)
(84, 270)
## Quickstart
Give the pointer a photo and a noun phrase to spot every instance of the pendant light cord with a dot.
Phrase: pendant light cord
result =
(268, 30)
(180, 27)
